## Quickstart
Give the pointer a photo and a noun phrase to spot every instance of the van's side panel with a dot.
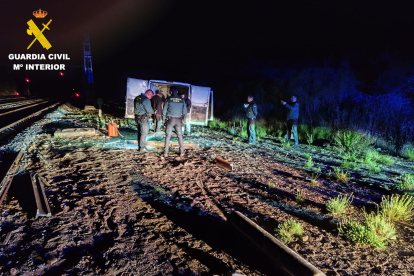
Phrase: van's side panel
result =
(134, 88)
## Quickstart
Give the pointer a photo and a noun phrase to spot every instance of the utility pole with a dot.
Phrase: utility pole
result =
(88, 73)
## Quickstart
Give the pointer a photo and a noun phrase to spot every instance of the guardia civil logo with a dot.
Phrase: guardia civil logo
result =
(36, 32)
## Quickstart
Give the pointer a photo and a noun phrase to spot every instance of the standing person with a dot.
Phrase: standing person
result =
(292, 119)
(156, 103)
(251, 114)
(174, 112)
(143, 110)
(184, 96)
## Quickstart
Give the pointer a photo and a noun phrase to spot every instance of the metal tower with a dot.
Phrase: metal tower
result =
(88, 73)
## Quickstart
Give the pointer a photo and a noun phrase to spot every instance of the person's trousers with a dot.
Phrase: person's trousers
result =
(158, 122)
(143, 129)
(187, 128)
(187, 125)
(292, 126)
(251, 130)
(175, 123)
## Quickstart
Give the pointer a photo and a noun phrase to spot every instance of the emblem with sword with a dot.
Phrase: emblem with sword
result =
(33, 29)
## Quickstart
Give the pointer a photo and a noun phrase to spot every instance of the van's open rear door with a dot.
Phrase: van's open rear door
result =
(200, 99)
(134, 88)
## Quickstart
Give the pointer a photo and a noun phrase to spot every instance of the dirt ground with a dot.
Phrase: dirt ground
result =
(120, 212)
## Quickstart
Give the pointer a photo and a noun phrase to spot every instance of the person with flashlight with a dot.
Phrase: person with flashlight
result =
(251, 114)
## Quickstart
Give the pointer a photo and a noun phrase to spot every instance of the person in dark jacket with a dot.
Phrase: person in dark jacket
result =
(292, 119)
(251, 114)
(143, 110)
(187, 124)
(156, 103)
(173, 113)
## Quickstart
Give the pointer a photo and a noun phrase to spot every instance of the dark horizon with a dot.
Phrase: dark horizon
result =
(208, 42)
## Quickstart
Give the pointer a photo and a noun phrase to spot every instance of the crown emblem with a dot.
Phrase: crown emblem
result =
(40, 13)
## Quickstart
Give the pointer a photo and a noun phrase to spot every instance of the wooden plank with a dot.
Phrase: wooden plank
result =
(74, 132)
(172, 144)
(186, 145)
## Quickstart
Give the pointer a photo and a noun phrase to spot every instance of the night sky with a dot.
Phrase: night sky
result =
(203, 42)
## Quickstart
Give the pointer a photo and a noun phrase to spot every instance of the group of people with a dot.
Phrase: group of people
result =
(172, 111)
(292, 119)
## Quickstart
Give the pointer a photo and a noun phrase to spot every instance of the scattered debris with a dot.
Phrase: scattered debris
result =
(74, 132)
(224, 164)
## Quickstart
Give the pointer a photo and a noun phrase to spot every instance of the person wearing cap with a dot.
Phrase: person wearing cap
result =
(292, 119)
(187, 124)
(156, 103)
(173, 113)
(143, 111)
(251, 114)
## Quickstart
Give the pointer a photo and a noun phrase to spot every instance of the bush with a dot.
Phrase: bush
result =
(374, 168)
(371, 157)
(261, 132)
(322, 133)
(243, 134)
(314, 178)
(299, 196)
(409, 153)
(221, 124)
(380, 225)
(310, 162)
(286, 144)
(376, 231)
(359, 234)
(397, 207)
(341, 175)
(351, 156)
(385, 159)
(406, 183)
(271, 185)
(214, 123)
(349, 165)
(351, 141)
(339, 204)
(289, 231)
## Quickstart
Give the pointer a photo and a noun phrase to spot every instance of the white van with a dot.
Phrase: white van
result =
(201, 97)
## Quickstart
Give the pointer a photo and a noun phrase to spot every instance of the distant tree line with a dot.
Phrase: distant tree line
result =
(337, 96)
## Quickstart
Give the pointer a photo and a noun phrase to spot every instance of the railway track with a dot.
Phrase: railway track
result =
(239, 240)
(9, 166)
(17, 104)
(15, 119)
(13, 98)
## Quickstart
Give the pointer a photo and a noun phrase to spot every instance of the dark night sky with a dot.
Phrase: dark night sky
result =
(203, 41)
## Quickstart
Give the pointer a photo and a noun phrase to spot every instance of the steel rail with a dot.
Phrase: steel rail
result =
(40, 197)
(26, 107)
(13, 98)
(4, 101)
(9, 105)
(7, 180)
(27, 118)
